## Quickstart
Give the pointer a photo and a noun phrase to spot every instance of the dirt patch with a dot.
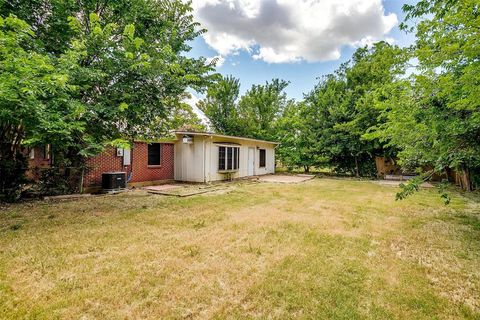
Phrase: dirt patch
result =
(394, 183)
(280, 178)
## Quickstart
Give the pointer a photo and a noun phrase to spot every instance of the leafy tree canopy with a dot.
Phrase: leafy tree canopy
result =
(343, 106)
(252, 115)
(83, 74)
(221, 106)
(124, 63)
(436, 120)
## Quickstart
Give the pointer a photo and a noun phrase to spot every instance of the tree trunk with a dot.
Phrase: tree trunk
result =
(306, 169)
(80, 189)
(13, 163)
(357, 170)
(465, 179)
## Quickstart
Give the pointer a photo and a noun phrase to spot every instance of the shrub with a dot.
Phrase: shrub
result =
(12, 176)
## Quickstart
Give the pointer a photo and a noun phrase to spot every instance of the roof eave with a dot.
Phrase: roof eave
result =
(211, 134)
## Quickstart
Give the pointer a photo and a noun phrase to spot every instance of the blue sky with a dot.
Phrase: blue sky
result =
(254, 38)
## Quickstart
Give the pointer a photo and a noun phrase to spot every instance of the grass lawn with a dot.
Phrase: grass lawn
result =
(326, 248)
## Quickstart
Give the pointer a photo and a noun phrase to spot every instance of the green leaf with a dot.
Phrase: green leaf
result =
(123, 106)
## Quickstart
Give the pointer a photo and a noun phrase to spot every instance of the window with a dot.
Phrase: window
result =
(154, 154)
(236, 157)
(221, 158)
(262, 158)
(46, 152)
(228, 158)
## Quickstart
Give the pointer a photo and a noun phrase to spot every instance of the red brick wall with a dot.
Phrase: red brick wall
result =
(108, 161)
(143, 172)
(40, 159)
(38, 162)
(105, 162)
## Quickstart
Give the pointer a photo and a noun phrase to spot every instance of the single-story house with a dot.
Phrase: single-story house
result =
(191, 157)
(206, 157)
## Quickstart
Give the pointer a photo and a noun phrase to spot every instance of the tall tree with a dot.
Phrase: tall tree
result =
(122, 64)
(261, 106)
(131, 68)
(437, 121)
(34, 100)
(220, 106)
(253, 115)
(344, 109)
(297, 137)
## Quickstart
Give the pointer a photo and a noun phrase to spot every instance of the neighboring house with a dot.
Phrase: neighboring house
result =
(190, 157)
(387, 166)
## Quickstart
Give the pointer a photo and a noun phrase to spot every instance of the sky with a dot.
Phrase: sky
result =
(294, 40)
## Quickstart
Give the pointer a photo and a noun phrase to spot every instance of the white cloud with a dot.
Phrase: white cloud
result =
(220, 60)
(278, 31)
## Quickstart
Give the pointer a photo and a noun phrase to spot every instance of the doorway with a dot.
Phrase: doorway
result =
(251, 161)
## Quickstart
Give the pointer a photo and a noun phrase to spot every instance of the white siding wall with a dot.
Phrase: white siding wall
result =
(189, 160)
(198, 162)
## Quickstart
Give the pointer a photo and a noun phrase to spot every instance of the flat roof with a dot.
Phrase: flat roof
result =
(211, 134)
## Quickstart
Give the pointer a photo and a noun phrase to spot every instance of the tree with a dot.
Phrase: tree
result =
(261, 106)
(34, 101)
(343, 109)
(220, 106)
(326, 106)
(182, 117)
(436, 120)
(121, 66)
(253, 115)
(298, 140)
(130, 64)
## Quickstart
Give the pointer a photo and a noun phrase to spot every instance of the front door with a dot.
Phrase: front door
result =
(251, 161)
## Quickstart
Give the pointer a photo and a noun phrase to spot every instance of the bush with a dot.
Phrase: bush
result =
(475, 175)
(57, 181)
(12, 177)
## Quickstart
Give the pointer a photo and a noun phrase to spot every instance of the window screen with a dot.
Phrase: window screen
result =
(221, 158)
(228, 158)
(154, 154)
(236, 157)
(262, 158)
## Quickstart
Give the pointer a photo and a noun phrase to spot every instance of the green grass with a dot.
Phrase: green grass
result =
(324, 249)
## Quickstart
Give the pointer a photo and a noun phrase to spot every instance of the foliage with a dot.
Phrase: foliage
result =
(343, 106)
(34, 100)
(52, 181)
(33, 88)
(436, 120)
(125, 60)
(131, 84)
(220, 106)
(84, 74)
(297, 148)
(182, 117)
(261, 106)
(253, 115)
(12, 177)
